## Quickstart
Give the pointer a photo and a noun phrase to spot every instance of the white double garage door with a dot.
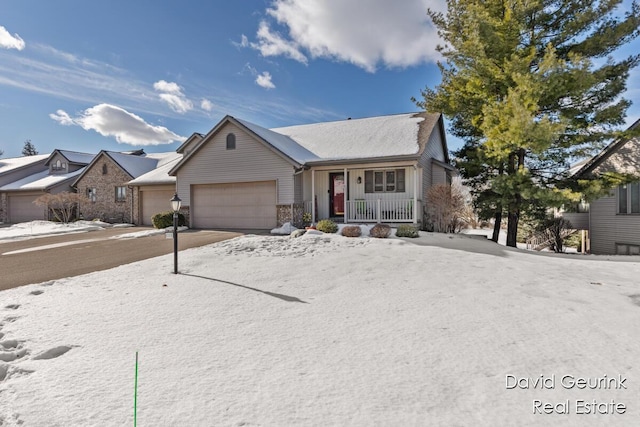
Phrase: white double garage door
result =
(250, 205)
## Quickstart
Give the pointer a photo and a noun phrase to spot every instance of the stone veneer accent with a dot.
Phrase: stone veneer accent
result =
(290, 213)
(3, 207)
(105, 207)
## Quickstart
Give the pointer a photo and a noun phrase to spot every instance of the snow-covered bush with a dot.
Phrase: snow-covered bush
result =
(327, 226)
(381, 231)
(407, 230)
(351, 231)
(165, 219)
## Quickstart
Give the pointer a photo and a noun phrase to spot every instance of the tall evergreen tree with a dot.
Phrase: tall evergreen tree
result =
(529, 85)
(29, 149)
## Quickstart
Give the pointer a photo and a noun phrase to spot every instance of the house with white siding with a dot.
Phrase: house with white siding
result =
(378, 169)
(613, 221)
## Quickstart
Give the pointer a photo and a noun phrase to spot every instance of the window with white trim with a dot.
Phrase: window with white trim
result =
(92, 194)
(384, 181)
(231, 142)
(121, 194)
(629, 198)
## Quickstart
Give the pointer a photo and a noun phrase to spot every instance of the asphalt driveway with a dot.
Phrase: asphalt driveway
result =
(54, 257)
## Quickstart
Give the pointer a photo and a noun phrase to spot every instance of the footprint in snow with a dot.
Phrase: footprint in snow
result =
(36, 292)
(54, 352)
(12, 306)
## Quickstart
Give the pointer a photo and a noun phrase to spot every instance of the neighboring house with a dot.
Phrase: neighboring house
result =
(379, 169)
(105, 183)
(14, 169)
(60, 169)
(613, 221)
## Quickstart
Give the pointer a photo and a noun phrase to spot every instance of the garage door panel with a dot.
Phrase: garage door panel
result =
(153, 202)
(235, 205)
(22, 209)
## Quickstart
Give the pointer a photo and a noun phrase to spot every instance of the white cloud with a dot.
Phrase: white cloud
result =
(9, 41)
(206, 105)
(125, 127)
(273, 44)
(264, 80)
(364, 33)
(172, 94)
(62, 117)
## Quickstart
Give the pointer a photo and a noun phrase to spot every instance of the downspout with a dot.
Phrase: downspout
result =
(313, 196)
(131, 208)
(415, 195)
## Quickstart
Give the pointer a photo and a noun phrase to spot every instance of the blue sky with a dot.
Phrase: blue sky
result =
(116, 75)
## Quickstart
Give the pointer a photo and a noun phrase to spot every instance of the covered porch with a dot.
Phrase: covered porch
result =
(387, 193)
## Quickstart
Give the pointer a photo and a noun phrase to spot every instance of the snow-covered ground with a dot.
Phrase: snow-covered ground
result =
(326, 330)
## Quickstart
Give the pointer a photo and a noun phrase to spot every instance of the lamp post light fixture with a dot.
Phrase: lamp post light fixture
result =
(175, 206)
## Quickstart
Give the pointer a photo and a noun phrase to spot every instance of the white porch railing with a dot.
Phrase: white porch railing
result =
(361, 210)
(378, 210)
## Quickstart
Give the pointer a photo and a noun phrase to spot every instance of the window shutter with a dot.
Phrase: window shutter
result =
(400, 181)
(368, 181)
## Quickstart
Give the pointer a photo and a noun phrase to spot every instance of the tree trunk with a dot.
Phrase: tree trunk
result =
(514, 205)
(496, 226)
(512, 227)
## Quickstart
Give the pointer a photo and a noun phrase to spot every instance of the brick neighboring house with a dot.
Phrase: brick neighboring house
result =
(105, 183)
(56, 175)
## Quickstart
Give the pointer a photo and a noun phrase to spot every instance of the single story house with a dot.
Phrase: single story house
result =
(55, 176)
(613, 221)
(110, 196)
(378, 169)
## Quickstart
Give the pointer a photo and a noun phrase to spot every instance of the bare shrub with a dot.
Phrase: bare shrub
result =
(61, 205)
(381, 231)
(556, 230)
(445, 208)
(351, 231)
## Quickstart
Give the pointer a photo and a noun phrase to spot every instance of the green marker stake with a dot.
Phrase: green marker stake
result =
(135, 396)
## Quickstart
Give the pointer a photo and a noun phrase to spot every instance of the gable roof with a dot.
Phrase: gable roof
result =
(133, 164)
(159, 175)
(41, 181)
(373, 138)
(591, 164)
(73, 157)
(16, 163)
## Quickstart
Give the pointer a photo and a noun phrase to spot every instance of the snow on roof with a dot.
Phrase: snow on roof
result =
(76, 157)
(159, 175)
(132, 164)
(282, 142)
(383, 136)
(40, 181)
(7, 165)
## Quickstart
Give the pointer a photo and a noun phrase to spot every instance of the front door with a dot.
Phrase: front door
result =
(336, 194)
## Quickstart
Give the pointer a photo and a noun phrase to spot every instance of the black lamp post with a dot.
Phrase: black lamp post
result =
(175, 206)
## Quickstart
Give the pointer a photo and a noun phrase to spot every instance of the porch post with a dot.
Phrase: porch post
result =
(346, 193)
(415, 194)
(313, 196)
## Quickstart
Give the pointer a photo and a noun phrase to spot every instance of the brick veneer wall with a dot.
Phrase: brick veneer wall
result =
(105, 207)
(290, 213)
(3, 207)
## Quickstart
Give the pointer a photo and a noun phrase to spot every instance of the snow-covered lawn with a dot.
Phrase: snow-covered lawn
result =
(324, 330)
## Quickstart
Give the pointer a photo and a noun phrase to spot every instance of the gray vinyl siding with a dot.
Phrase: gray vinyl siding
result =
(298, 188)
(251, 161)
(578, 220)
(433, 150)
(438, 174)
(609, 228)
